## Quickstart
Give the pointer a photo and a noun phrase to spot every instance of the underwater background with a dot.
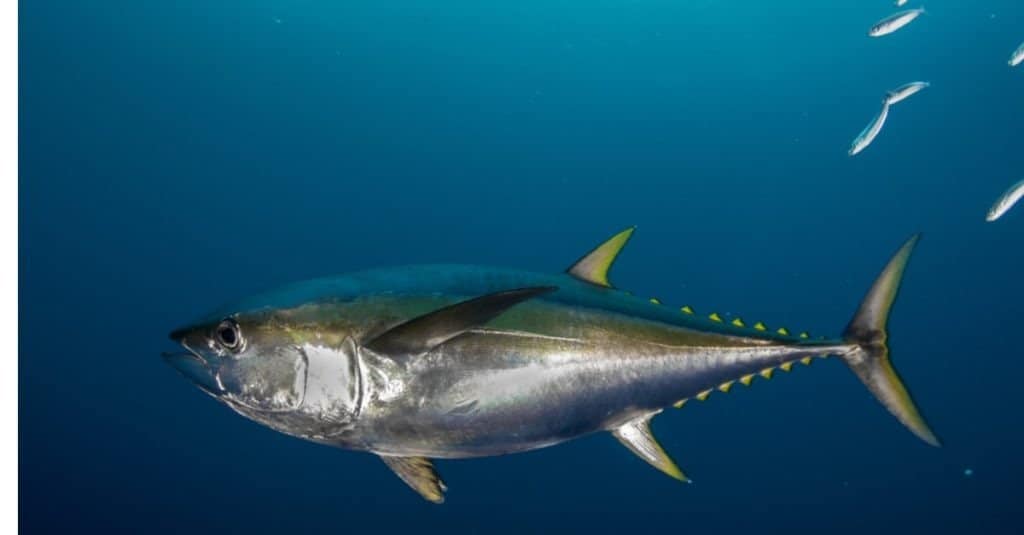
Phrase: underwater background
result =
(177, 155)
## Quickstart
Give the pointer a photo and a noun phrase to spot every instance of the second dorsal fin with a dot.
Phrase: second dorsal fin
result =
(594, 266)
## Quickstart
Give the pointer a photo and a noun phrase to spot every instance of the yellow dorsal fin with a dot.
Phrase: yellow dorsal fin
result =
(594, 266)
(715, 317)
(703, 395)
(686, 310)
(738, 322)
(783, 331)
(786, 366)
(760, 326)
(724, 387)
(679, 404)
(655, 300)
(766, 373)
(747, 379)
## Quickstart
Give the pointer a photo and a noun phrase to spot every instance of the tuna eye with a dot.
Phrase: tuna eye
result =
(228, 335)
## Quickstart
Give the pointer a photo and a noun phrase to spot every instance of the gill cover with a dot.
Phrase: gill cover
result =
(268, 379)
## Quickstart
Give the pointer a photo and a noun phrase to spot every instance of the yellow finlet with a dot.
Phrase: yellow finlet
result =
(805, 335)
(724, 387)
(766, 373)
(806, 361)
(594, 266)
(686, 310)
(738, 322)
(760, 326)
(655, 300)
(783, 331)
(679, 404)
(786, 366)
(703, 395)
(715, 317)
(747, 379)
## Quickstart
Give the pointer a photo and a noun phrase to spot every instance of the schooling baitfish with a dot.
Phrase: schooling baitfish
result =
(455, 361)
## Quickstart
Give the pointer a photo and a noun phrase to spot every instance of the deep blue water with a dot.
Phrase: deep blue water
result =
(176, 155)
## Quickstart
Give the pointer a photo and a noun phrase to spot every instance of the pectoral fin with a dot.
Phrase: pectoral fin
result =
(419, 474)
(423, 333)
(636, 436)
(594, 266)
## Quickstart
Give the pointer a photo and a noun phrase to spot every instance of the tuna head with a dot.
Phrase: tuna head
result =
(272, 372)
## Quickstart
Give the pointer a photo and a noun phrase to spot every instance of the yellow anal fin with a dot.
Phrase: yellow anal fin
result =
(594, 266)
(637, 436)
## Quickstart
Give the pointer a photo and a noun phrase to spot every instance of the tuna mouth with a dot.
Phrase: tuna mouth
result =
(196, 369)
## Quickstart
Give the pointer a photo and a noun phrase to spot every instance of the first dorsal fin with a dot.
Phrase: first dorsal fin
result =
(423, 333)
(594, 266)
(636, 435)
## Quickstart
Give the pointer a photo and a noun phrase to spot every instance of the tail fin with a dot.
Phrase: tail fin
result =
(870, 360)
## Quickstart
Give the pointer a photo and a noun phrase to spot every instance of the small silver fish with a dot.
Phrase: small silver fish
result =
(894, 22)
(1018, 56)
(1006, 201)
(870, 132)
(904, 92)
